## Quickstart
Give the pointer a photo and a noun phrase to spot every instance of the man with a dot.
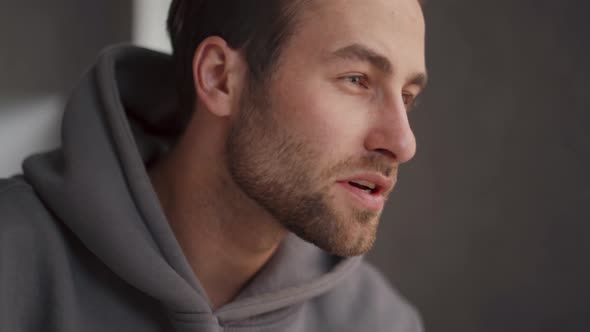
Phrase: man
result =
(245, 205)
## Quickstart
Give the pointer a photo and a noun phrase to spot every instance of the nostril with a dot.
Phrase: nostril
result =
(386, 153)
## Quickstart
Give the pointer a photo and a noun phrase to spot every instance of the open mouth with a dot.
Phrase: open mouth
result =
(366, 186)
(368, 194)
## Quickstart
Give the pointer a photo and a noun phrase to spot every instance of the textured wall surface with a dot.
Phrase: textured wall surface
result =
(488, 229)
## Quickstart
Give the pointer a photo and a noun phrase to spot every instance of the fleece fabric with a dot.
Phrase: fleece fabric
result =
(85, 246)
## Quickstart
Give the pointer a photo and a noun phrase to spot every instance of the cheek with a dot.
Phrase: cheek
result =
(323, 117)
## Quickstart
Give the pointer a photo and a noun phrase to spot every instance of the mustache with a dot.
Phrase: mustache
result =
(373, 162)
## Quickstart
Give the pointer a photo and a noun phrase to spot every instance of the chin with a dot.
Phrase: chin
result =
(346, 237)
(351, 245)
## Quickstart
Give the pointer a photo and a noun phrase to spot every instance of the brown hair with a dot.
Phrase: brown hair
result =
(257, 27)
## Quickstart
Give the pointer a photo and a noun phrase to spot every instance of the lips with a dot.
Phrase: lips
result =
(368, 190)
(371, 182)
(364, 185)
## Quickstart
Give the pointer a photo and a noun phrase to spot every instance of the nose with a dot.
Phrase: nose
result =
(391, 134)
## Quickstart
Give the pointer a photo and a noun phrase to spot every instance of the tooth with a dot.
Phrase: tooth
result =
(366, 184)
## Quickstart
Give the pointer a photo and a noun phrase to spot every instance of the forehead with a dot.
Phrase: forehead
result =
(393, 28)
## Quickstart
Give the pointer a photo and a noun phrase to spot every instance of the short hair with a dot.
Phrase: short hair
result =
(259, 28)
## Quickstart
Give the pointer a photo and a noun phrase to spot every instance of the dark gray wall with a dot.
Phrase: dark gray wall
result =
(46, 45)
(489, 227)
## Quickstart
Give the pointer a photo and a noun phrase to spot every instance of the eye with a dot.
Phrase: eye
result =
(360, 80)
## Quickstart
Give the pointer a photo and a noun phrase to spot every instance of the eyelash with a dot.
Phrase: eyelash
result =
(408, 98)
(363, 80)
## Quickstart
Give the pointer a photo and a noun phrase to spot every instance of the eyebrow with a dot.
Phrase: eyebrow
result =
(363, 53)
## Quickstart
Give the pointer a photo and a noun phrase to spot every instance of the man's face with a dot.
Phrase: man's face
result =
(320, 146)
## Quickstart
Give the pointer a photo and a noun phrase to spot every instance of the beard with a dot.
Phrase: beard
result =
(280, 171)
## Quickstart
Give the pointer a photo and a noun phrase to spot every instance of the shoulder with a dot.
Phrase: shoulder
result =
(365, 301)
(27, 228)
(29, 236)
(17, 202)
(8, 184)
(22, 214)
(31, 239)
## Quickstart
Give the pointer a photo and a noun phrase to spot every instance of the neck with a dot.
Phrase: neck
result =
(226, 237)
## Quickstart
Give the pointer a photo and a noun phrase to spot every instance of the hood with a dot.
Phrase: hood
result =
(118, 119)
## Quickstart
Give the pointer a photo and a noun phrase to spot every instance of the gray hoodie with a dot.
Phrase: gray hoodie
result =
(84, 245)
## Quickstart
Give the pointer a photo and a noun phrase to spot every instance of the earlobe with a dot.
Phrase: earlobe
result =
(213, 68)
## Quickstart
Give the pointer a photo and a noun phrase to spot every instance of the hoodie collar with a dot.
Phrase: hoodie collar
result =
(120, 118)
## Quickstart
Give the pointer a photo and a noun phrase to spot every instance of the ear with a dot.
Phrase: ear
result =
(218, 73)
